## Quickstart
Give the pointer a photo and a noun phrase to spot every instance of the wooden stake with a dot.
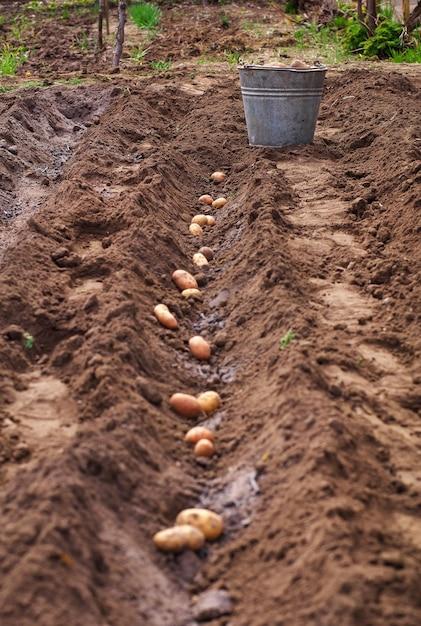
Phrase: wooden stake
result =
(120, 35)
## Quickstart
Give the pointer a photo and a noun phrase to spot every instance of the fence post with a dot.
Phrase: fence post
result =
(405, 10)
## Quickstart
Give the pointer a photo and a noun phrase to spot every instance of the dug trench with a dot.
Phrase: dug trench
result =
(318, 467)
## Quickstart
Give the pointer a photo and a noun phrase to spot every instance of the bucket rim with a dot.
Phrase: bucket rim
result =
(322, 68)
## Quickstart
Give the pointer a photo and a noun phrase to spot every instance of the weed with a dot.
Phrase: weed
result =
(286, 339)
(225, 20)
(291, 7)
(28, 341)
(20, 25)
(65, 13)
(11, 59)
(2, 20)
(145, 15)
(161, 66)
(82, 41)
(205, 60)
(233, 57)
(346, 34)
(138, 54)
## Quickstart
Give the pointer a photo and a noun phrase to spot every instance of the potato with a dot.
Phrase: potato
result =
(179, 538)
(200, 348)
(192, 293)
(211, 524)
(196, 230)
(184, 280)
(165, 317)
(207, 252)
(198, 433)
(204, 447)
(210, 401)
(199, 259)
(206, 199)
(299, 65)
(210, 220)
(219, 203)
(202, 220)
(218, 177)
(185, 405)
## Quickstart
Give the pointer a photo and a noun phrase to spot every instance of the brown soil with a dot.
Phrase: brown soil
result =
(318, 472)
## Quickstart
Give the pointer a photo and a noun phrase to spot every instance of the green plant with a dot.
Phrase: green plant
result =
(82, 41)
(2, 20)
(225, 20)
(65, 13)
(386, 39)
(411, 55)
(20, 25)
(233, 57)
(28, 341)
(286, 339)
(11, 59)
(291, 7)
(161, 66)
(145, 15)
(138, 54)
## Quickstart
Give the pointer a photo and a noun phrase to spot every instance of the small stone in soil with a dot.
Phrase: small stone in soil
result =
(212, 604)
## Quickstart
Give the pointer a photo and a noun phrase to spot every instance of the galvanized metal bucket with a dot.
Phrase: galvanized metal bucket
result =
(281, 104)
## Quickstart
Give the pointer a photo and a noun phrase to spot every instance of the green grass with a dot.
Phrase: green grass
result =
(145, 15)
(286, 339)
(233, 57)
(161, 66)
(138, 54)
(346, 37)
(411, 55)
(11, 59)
(82, 42)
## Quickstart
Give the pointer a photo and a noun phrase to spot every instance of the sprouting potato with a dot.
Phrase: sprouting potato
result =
(192, 293)
(206, 199)
(198, 433)
(218, 177)
(210, 401)
(165, 317)
(199, 259)
(179, 538)
(184, 280)
(210, 220)
(200, 348)
(186, 405)
(204, 447)
(211, 524)
(219, 203)
(196, 230)
(207, 252)
(202, 220)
